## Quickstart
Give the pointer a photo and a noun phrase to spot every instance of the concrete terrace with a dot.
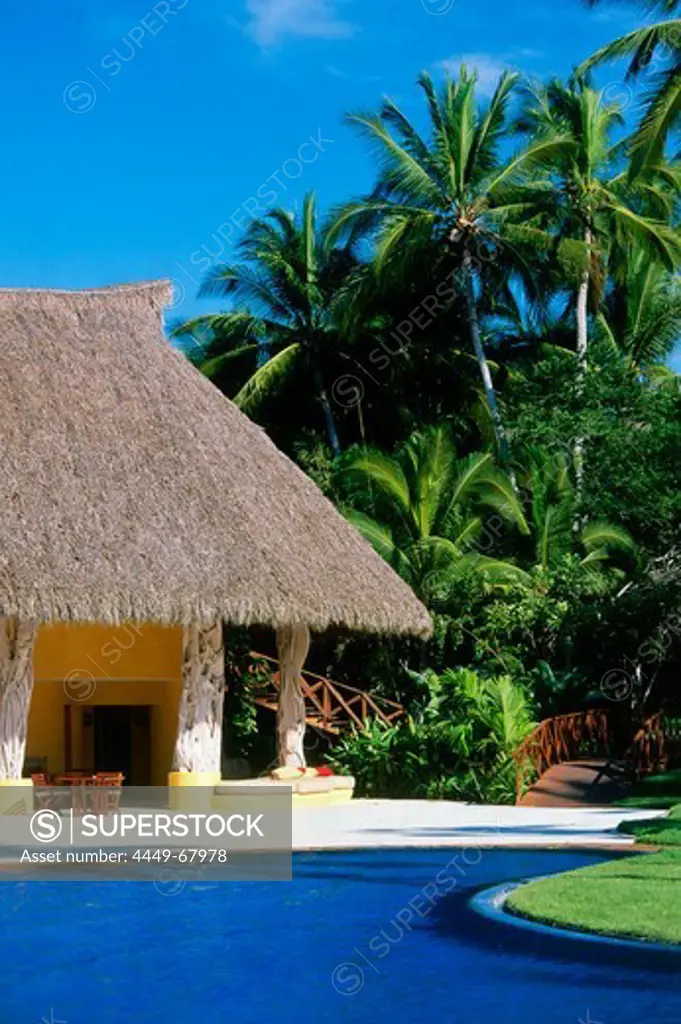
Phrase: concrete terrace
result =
(413, 823)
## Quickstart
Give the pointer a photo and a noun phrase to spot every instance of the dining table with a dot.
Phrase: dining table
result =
(99, 792)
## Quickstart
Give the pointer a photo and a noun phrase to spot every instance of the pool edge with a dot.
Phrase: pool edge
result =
(491, 904)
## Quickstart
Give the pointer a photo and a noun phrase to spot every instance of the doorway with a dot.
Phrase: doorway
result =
(122, 742)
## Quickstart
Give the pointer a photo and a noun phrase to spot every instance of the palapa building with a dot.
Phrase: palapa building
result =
(140, 511)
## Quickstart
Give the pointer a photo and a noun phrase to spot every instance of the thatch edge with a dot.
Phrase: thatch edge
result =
(161, 285)
(116, 611)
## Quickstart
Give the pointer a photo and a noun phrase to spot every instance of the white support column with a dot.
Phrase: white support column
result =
(199, 727)
(16, 686)
(293, 643)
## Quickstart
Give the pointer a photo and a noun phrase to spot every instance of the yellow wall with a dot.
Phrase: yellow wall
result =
(86, 665)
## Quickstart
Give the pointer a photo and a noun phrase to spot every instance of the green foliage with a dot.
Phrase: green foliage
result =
(451, 193)
(541, 624)
(632, 434)
(423, 509)
(292, 287)
(654, 51)
(484, 305)
(583, 191)
(458, 745)
(556, 531)
(239, 714)
(642, 313)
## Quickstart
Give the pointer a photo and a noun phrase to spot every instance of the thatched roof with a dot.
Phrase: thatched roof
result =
(131, 489)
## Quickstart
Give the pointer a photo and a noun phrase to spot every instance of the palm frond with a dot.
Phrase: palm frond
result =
(267, 380)
(483, 155)
(469, 475)
(380, 537)
(217, 366)
(640, 45)
(402, 173)
(662, 115)
(602, 536)
(378, 472)
(496, 491)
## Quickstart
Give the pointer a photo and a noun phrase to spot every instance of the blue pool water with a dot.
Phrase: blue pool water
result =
(337, 944)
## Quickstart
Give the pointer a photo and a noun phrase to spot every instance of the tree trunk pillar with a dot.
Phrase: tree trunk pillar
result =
(198, 746)
(293, 643)
(16, 686)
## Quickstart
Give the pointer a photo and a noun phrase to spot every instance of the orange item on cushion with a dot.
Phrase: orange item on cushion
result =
(287, 772)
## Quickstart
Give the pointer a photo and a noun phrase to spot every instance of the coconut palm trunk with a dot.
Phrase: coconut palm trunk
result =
(582, 355)
(16, 686)
(583, 304)
(328, 411)
(293, 643)
(198, 745)
(487, 382)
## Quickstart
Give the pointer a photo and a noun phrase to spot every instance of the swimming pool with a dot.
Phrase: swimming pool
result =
(357, 936)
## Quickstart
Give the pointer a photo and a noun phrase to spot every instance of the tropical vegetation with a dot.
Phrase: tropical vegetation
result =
(655, 53)
(458, 744)
(473, 362)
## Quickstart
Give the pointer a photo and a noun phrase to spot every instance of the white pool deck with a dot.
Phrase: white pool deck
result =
(409, 823)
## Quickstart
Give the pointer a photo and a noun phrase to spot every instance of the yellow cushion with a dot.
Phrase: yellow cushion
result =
(342, 781)
(287, 772)
(318, 785)
(325, 784)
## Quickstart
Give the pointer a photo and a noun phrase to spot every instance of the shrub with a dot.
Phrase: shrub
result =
(458, 745)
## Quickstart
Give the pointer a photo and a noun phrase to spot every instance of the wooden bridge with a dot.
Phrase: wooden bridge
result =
(332, 707)
(583, 757)
(587, 757)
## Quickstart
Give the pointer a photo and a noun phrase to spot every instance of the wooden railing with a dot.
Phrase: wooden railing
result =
(568, 737)
(333, 707)
(656, 741)
(560, 739)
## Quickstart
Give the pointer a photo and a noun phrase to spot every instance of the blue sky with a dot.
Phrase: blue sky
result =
(133, 131)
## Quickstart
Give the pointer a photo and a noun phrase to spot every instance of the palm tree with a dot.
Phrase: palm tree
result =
(291, 285)
(522, 330)
(662, 112)
(423, 508)
(453, 192)
(642, 314)
(551, 498)
(588, 203)
(226, 347)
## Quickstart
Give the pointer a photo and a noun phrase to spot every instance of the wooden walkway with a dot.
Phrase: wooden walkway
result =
(581, 760)
(592, 782)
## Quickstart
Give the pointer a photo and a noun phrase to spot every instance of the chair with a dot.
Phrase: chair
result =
(80, 787)
(41, 781)
(74, 777)
(107, 793)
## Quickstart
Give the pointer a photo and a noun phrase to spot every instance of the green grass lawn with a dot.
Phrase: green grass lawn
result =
(658, 831)
(635, 897)
(657, 791)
